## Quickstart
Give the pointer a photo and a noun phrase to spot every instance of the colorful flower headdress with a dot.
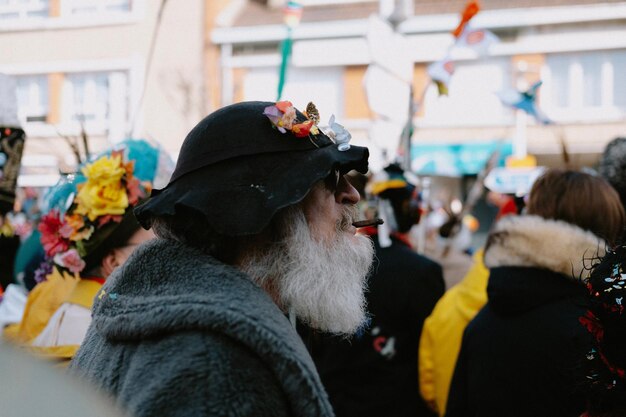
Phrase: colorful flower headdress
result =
(283, 116)
(102, 200)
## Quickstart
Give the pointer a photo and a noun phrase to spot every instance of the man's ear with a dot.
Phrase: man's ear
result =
(109, 263)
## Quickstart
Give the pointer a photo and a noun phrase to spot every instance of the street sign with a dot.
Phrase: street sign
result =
(387, 95)
(389, 50)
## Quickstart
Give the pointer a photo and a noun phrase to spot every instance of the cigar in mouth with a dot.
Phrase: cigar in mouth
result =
(365, 223)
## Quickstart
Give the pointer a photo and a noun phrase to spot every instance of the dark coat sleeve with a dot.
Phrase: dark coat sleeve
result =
(433, 288)
(192, 374)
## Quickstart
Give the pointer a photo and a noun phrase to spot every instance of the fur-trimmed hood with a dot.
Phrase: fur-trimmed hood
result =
(534, 262)
(532, 241)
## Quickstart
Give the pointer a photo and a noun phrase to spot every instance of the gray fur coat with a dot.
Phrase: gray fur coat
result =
(177, 333)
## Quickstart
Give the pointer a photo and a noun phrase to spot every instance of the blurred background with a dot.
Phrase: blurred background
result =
(90, 73)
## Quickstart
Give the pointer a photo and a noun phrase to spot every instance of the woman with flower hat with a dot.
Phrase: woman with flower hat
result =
(96, 235)
(87, 231)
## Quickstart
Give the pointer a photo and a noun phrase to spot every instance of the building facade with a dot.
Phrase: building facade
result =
(576, 47)
(88, 64)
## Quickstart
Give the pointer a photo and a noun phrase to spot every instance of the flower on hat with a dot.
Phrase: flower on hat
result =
(44, 269)
(338, 134)
(70, 260)
(54, 234)
(302, 130)
(103, 193)
(109, 191)
(283, 117)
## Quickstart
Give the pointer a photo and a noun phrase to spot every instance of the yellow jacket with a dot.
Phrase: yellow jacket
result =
(41, 304)
(443, 331)
(53, 348)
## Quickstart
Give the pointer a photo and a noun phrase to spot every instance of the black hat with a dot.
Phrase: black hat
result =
(238, 168)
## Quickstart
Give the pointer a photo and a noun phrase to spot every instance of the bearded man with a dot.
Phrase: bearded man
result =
(255, 230)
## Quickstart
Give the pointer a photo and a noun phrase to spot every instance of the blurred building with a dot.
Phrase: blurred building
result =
(577, 47)
(87, 62)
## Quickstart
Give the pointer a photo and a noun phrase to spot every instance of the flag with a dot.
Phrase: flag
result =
(478, 40)
(471, 9)
(525, 101)
(441, 74)
(292, 14)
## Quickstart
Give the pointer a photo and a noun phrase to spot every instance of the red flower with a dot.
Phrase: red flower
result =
(301, 130)
(52, 239)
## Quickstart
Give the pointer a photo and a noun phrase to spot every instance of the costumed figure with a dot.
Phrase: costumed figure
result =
(85, 238)
(254, 231)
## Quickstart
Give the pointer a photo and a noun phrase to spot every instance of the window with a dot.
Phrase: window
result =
(92, 7)
(585, 85)
(591, 67)
(619, 79)
(560, 81)
(32, 98)
(86, 98)
(23, 9)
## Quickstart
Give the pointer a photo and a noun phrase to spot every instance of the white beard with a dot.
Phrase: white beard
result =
(323, 283)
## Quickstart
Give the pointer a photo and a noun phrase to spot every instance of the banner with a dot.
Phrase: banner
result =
(11, 149)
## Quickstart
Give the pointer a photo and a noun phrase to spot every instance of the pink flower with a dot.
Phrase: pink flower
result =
(282, 115)
(70, 260)
(108, 218)
(66, 231)
(274, 115)
(134, 191)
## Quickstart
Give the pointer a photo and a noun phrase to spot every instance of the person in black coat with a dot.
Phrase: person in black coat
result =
(520, 355)
(375, 372)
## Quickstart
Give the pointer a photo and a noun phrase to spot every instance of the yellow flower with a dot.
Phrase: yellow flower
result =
(103, 193)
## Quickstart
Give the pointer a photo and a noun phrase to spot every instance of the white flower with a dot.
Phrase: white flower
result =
(338, 134)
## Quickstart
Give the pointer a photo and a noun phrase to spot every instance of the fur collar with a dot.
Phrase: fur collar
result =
(532, 241)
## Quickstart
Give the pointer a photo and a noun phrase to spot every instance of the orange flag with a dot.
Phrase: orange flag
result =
(470, 11)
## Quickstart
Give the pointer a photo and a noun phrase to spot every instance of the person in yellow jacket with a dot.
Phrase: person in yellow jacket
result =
(443, 331)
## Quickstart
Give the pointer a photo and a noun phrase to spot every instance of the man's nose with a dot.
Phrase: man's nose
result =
(346, 193)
